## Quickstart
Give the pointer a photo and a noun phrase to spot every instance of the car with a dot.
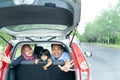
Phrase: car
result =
(41, 23)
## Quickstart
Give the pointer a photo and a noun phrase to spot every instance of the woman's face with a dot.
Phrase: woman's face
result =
(44, 57)
(28, 51)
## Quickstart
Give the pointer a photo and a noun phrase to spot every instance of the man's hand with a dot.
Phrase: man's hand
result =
(67, 66)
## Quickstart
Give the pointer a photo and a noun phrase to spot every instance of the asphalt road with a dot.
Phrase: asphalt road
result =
(104, 63)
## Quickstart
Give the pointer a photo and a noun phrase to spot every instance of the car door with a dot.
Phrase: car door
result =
(80, 61)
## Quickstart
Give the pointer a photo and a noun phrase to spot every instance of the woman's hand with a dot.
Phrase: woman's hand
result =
(1, 56)
(5, 58)
(67, 66)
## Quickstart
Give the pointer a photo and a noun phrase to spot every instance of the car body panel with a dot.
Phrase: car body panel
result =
(80, 61)
(42, 21)
(59, 12)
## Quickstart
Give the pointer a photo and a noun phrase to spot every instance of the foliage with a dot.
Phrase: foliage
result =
(6, 36)
(106, 26)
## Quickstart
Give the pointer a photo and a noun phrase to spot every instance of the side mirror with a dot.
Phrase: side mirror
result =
(88, 54)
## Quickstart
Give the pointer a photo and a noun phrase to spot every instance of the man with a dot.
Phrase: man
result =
(59, 54)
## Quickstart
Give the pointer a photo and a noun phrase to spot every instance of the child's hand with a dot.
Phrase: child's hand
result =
(45, 68)
(36, 61)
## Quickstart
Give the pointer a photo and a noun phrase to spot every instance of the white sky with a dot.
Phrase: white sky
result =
(90, 8)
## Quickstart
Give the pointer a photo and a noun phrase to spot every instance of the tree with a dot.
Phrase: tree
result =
(6, 36)
(105, 27)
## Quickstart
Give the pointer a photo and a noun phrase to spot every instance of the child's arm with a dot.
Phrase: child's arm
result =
(48, 64)
(36, 61)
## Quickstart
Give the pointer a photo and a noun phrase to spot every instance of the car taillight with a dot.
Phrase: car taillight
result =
(84, 75)
(0, 69)
(84, 65)
(0, 64)
(84, 70)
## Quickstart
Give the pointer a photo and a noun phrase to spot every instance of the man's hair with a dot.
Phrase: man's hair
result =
(58, 45)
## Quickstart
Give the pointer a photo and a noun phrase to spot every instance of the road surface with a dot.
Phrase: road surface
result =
(104, 63)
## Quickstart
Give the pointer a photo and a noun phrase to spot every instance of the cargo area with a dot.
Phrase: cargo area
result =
(27, 70)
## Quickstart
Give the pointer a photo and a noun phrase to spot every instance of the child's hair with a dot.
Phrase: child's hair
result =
(45, 52)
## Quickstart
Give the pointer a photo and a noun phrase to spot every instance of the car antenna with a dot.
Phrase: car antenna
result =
(74, 32)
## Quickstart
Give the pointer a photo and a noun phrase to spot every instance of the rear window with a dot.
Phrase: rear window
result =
(45, 45)
(24, 27)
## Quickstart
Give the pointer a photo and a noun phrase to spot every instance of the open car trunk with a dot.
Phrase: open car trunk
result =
(25, 16)
(27, 70)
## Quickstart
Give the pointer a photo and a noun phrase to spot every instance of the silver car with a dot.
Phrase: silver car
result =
(42, 23)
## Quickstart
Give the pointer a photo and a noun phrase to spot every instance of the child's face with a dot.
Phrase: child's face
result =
(44, 57)
(28, 51)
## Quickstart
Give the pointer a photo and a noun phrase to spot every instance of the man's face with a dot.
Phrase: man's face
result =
(56, 51)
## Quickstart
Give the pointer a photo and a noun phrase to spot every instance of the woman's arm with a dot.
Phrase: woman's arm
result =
(12, 62)
(17, 61)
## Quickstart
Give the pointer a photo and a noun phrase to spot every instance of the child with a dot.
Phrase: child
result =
(26, 54)
(45, 56)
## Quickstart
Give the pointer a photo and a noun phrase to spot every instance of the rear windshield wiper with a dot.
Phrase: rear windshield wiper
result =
(51, 38)
(29, 38)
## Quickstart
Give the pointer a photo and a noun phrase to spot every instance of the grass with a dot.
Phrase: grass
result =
(107, 45)
(110, 45)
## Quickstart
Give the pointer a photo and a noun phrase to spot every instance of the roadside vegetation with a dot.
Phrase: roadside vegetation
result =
(2, 42)
(105, 28)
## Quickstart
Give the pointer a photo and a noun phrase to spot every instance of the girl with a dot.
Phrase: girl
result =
(45, 56)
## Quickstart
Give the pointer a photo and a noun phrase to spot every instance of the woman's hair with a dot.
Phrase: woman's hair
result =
(25, 45)
(45, 52)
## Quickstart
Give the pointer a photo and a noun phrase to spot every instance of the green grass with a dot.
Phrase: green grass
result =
(111, 45)
(106, 45)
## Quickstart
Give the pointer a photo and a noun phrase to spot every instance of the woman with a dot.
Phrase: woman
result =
(26, 54)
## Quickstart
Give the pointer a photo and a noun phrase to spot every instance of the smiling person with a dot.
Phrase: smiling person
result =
(59, 54)
(45, 56)
(26, 54)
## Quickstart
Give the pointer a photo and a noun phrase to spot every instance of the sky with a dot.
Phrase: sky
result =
(91, 8)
